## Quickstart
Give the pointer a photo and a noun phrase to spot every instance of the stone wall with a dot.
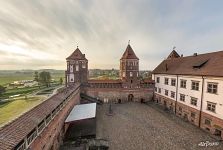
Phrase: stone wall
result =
(120, 94)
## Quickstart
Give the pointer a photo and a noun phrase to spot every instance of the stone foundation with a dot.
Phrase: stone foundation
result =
(214, 125)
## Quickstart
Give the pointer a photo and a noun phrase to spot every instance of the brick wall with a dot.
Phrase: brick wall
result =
(52, 135)
(116, 94)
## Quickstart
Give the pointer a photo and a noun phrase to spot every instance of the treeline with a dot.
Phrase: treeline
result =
(44, 78)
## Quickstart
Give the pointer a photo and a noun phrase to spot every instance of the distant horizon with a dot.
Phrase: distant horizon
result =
(62, 70)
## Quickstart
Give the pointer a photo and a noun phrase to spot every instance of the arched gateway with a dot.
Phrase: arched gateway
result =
(130, 97)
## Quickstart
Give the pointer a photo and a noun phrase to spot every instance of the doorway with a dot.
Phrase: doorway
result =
(217, 132)
(130, 97)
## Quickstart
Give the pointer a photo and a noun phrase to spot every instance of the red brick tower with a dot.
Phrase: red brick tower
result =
(77, 68)
(129, 69)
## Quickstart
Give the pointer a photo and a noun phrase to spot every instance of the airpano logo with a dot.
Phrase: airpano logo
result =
(207, 144)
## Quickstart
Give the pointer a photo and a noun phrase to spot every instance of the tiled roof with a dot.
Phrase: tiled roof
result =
(77, 55)
(129, 53)
(209, 64)
(13, 133)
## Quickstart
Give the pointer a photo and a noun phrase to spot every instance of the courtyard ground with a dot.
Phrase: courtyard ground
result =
(136, 126)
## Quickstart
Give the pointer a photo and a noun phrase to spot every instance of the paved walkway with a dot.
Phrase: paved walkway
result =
(136, 126)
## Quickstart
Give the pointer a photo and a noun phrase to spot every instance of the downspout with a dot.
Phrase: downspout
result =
(154, 87)
(202, 95)
(176, 96)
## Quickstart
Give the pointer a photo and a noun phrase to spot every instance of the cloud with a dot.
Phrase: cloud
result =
(39, 33)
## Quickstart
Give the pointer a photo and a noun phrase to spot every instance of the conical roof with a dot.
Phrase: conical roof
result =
(77, 55)
(129, 53)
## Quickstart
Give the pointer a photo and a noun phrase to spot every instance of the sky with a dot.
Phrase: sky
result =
(41, 34)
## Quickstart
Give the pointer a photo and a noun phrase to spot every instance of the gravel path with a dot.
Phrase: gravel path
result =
(136, 126)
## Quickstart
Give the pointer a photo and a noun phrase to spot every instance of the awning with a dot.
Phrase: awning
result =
(81, 112)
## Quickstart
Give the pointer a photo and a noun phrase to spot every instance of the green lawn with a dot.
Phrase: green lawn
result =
(7, 78)
(11, 110)
(4, 80)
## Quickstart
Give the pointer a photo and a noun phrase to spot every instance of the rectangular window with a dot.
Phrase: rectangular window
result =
(207, 122)
(212, 88)
(157, 79)
(71, 68)
(166, 81)
(183, 83)
(131, 74)
(155, 89)
(123, 74)
(195, 85)
(83, 65)
(192, 115)
(193, 101)
(77, 67)
(182, 97)
(180, 109)
(159, 90)
(172, 94)
(173, 82)
(166, 92)
(211, 106)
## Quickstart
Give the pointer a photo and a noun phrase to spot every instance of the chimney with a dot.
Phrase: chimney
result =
(195, 54)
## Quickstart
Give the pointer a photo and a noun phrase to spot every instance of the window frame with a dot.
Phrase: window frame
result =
(173, 79)
(182, 95)
(183, 83)
(166, 81)
(193, 101)
(166, 92)
(213, 90)
(195, 85)
(211, 106)
(172, 94)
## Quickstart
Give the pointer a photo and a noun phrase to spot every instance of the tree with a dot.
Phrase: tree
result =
(36, 76)
(45, 78)
(2, 89)
(61, 80)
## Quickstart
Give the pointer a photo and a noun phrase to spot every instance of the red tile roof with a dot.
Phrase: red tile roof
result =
(13, 133)
(209, 64)
(77, 55)
(129, 53)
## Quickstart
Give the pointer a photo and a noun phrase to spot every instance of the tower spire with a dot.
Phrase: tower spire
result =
(128, 42)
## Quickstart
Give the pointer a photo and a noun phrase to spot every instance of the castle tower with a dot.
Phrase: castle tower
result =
(77, 68)
(129, 69)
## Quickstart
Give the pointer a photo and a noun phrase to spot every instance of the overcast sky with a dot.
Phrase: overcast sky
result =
(36, 34)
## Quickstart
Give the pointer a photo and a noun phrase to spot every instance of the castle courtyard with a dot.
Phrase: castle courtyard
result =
(136, 126)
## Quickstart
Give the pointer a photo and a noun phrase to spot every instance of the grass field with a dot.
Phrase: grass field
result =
(11, 110)
(7, 77)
